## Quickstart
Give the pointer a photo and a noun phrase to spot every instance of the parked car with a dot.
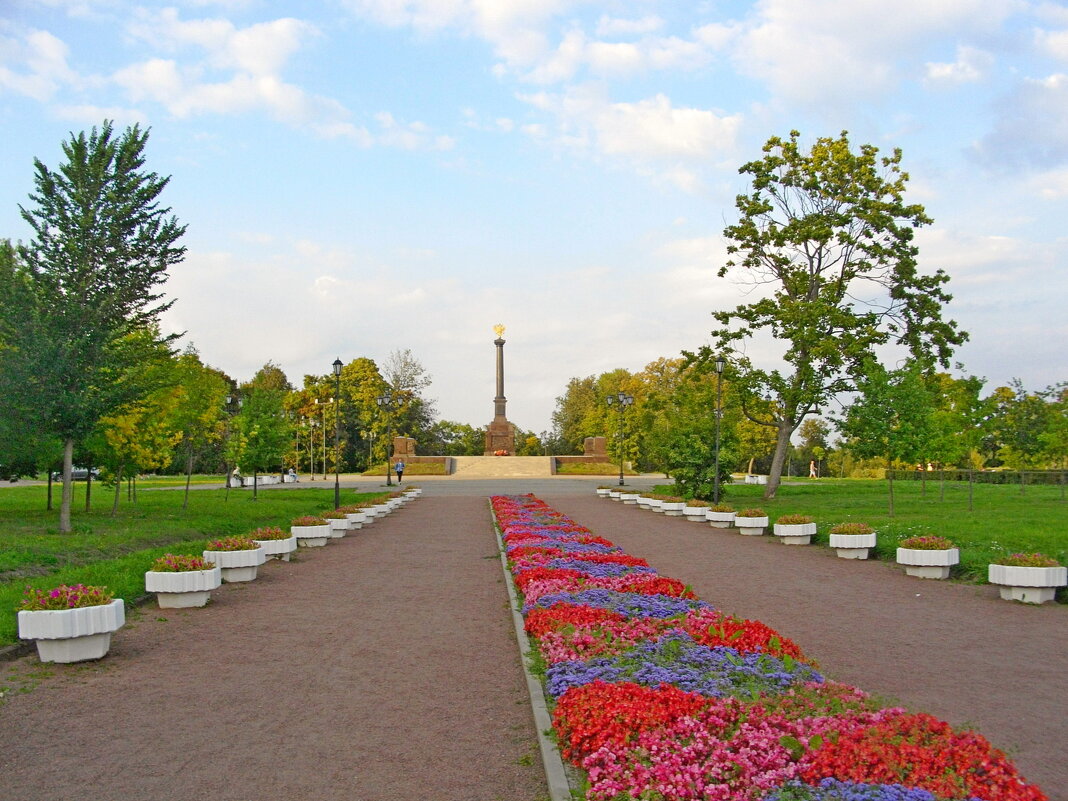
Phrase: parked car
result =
(77, 473)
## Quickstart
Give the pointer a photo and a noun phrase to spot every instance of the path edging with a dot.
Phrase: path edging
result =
(555, 773)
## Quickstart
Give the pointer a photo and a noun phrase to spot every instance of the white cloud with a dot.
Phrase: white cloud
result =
(1050, 185)
(1054, 43)
(833, 52)
(652, 134)
(613, 26)
(971, 65)
(38, 65)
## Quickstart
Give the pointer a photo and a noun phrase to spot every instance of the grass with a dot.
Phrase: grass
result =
(1001, 521)
(116, 551)
(413, 469)
(591, 469)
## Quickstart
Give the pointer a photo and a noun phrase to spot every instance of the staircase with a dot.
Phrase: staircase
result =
(502, 466)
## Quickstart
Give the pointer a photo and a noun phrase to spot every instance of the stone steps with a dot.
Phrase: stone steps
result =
(502, 466)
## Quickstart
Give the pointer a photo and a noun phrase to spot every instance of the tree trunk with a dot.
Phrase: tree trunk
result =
(750, 469)
(188, 476)
(118, 489)
(49, 506)
(88, 486)
(890, 483)
(68, 486)
(255, 482)
(782, 444)
(134, 479)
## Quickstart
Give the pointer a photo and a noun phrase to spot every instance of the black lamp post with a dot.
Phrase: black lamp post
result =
(337, 430)
(622, 400)
(385, 402)
(720, 363)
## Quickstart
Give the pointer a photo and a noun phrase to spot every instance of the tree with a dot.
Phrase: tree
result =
(101, 246)
(261, 432)
(198, 413)
(829, 236)
(574, 417)
(892, 417)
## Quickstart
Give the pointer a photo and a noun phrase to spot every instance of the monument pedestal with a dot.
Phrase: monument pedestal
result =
(500, 436)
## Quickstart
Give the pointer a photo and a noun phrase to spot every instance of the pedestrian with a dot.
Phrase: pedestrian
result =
(812, 469)
(399, 467)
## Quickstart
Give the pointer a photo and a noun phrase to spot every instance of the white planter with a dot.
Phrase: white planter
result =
(311, 536)
(794, 533)
(853, 546)
(614, 494)
(278, 549)
(338, 528)
(643, 502)
(672, 509)
(72, 635)
(720, 519)
(629, 498)
(928, 564)
(603, 492)
(751, 526)
(696, 513)
(356, 520)
(183, 589)
(414, 492)
(1032, 585)
(237, 565)
(655, 504)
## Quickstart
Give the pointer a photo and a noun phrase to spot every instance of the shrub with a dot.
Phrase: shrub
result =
(851, 528)
(697, 502)
(73, 596)
(794, 520)
(232, 544)
(1027, 560)
(307, 520)
(180, 563)
(269, 533)
(333, 514)
(926, 542)
(725, 507)
(752, 513)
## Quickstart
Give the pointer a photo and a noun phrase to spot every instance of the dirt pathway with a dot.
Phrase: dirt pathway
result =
(954, 650)
(380, 668)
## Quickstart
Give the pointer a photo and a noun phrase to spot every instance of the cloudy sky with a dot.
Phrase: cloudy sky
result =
(361, 176)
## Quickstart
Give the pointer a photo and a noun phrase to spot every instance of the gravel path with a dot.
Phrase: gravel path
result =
(955, 650)
(380, 668)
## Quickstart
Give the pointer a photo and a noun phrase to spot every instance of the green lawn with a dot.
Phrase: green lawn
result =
(1001, 521)
(116, 551)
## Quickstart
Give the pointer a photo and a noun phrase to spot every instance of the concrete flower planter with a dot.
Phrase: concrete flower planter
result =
(356, 520)
(183, 589)
(614, 494)
(695, 514)
(278, 549)
(603, 493)
(72, 635)
(338, 528)
(794, 533)
(311, 536)
(1032, 585)
(672, 508)
(929, 564)
(655, 505)
(237, 565)
(629, 498)
(720, 519)
(853, 546)
(751, 526)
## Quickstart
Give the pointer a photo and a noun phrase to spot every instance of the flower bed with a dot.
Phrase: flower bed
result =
(658, 696)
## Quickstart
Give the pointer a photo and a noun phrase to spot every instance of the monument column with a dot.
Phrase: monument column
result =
(499, 434)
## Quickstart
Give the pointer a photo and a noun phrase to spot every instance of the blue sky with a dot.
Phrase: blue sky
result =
(361, 176)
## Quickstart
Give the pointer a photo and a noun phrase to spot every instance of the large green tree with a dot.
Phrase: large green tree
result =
(826, 237)
(101, 247)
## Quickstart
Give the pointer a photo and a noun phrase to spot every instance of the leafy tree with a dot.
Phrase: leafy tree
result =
(262, 432)
(574, 417)
(449, 438)
(892, 417)
(199, 409)
(101, 247)
(828, 236)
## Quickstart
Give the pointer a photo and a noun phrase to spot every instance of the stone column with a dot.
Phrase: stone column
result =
(499, 434)
(499, 401)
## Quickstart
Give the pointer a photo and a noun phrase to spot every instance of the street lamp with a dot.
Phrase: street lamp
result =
(622, 400)
(385, 402)
(337, 430)
(720, 364)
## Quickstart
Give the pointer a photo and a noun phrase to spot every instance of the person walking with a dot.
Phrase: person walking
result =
(399, 467)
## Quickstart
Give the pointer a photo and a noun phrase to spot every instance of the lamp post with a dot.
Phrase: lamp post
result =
(720, 364)
(337, 432)
(385, 403)
(622, 400)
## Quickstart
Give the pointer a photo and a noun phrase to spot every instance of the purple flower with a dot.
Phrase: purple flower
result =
(629, 604)
(835, 790)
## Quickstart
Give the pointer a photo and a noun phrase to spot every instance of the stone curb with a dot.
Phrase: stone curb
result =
(555, 773)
